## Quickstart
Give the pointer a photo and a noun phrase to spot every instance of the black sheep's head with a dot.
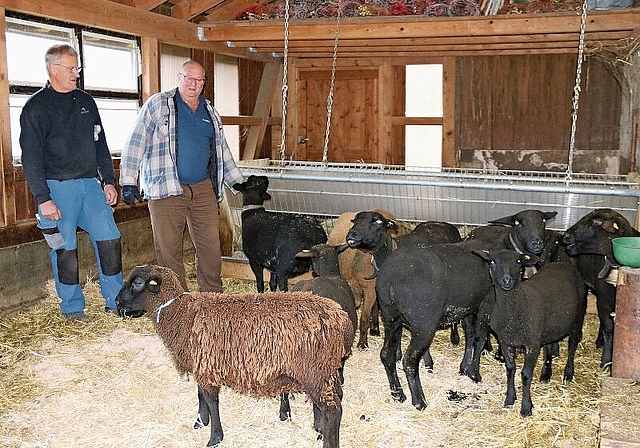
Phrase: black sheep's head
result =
(506, 266)
(369, 231)
(254, 190)
(592, 234)
(527, 229)
(132, 298)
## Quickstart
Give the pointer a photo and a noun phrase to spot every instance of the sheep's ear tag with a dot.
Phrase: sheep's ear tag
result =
(526, 258)
(153, 285)
(615, 225)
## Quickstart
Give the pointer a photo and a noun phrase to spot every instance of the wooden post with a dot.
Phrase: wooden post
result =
(626, 343)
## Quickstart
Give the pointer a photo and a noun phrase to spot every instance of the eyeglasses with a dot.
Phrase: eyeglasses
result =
(71, 69)
(192, 79)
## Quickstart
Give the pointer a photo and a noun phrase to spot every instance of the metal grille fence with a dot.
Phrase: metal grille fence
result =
(461, 197)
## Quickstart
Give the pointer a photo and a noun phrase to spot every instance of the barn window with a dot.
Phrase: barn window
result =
(423, 145)
(111, 68)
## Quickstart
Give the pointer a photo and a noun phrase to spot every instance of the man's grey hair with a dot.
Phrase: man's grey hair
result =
(53, 54)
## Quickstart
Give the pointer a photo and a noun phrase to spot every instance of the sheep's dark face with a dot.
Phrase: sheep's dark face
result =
(528, 228)
(131, 300)
(254, 190)
(369, 231)
(592, 234)
(506, 266)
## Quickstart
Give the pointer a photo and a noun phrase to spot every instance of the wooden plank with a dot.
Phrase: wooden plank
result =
(188, 9)
(619, 408)
(384, 103)
(229, 10)
(239, 268)
(262, 108)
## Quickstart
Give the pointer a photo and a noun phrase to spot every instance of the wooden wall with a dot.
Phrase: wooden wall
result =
(515, 112)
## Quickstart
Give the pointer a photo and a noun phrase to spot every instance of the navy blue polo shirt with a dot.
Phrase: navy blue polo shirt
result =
(195, 135)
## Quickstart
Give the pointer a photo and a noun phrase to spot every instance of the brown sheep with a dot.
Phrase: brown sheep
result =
(300, 344)
(356, 268)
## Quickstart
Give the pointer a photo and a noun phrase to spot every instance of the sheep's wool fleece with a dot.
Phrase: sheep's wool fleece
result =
(257, 344)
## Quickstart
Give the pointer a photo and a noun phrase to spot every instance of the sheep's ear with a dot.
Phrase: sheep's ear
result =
(341, 248)
(529, 260)
(482, 254)
(305, 253)
(505, 221)
(392, 225)
(238, 187)
(153, 284)
(611, 226)
(549, 215)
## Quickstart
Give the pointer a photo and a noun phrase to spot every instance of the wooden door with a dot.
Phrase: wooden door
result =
(353, 135)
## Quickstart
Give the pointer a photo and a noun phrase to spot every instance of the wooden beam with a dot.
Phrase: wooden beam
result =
(7, 190)
(229, 10)
(188, 9)
(113, 16)
(370, 28)
(449, 156)
(150, 51)
(262, 108)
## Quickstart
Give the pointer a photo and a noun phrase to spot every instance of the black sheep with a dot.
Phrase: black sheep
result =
(271, 240)
(542, 310)
(589, 240)
(421, 288)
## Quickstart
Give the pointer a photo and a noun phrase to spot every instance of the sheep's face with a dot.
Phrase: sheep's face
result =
(592, 234)
(506, 266)
(369, 231)
(254, 190)
(132, 298)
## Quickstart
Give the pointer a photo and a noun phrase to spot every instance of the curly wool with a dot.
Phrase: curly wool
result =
(257, 344)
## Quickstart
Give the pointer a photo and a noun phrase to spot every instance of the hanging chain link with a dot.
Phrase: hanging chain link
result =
(576, 92)
(285, 88)
(331, 86)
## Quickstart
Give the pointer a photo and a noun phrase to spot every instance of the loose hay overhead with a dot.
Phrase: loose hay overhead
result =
(111, 383)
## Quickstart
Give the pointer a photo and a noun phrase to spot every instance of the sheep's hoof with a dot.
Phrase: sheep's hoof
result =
(363, 345)
(214, 440)
(420, 405)
(398, 395)
(198, 423)
(374, 332)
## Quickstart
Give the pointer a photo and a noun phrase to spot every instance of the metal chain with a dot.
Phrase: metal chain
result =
(331, 87)
(576, 92)
(285, 88)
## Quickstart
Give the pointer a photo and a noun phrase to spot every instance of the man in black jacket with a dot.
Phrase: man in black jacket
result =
(63, 151)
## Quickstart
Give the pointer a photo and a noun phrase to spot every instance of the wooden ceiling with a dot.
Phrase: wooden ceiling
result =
(398, 36)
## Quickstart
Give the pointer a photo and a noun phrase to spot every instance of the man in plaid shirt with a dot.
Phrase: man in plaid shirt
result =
(178, 151)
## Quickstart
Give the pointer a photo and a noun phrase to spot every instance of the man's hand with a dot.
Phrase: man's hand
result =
(131, 193)
(50, 210)
(111, 193)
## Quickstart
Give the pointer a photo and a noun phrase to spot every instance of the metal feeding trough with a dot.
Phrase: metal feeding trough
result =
(459, 196)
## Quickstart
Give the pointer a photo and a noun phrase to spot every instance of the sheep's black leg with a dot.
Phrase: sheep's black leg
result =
(273, 282)
(530, 360)
(480, 338)
(428, 360)
(258, 273)
(203, 411)
(467, 366)
(574, 339)
(210, 399)
(545, 372)
(392, 335)
(454, 336)
(417, 345)
(285, 408)
(331, 416)
(374, 328)
(509, 354)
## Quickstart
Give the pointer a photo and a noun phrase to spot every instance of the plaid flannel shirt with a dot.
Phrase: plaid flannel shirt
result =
(150, 150)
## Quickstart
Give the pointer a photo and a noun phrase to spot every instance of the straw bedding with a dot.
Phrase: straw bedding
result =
(112, 384)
